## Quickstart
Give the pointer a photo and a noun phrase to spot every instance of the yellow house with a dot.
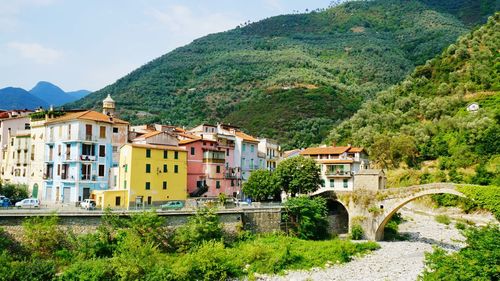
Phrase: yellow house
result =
(152, 174)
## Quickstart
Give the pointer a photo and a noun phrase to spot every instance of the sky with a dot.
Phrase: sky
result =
(89, 44)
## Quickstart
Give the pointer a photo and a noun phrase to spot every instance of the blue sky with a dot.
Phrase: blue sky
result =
(88, 44)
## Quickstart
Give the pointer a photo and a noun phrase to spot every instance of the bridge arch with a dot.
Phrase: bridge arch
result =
(393, 208)
(338, 212)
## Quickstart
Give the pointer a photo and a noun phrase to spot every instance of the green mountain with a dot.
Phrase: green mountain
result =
(428, 116)
(295, 69)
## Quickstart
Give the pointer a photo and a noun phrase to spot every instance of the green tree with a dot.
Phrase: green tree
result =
(14, 192)
(260, 185)
(307, 217)
(298, 175)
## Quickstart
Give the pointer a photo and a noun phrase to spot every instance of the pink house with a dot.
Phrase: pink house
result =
(210, 166)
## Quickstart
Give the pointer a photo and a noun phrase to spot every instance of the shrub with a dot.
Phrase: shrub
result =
(43, 237)
(444, 219)
(357, 232)
(479, 260)
(203, 226)
(307, 217)
(210, 261)
(89, 270)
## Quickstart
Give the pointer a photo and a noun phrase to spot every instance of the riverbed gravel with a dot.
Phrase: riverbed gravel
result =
(401, 260)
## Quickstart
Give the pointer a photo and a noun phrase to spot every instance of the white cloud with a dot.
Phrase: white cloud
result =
(180, 19)
(35, 52)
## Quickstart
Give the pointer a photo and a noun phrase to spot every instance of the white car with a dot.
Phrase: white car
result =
(88, 204)
(28, 203)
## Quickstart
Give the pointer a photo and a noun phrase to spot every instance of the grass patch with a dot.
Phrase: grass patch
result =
(444, 219)
(274, 254)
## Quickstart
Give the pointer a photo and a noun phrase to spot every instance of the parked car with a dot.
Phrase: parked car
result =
(88, 204)
(173, 205)
(28, 203)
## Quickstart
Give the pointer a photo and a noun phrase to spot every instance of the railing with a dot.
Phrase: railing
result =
(339, 173)
(87, 157)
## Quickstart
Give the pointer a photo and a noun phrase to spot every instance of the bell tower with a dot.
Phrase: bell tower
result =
(108, 106)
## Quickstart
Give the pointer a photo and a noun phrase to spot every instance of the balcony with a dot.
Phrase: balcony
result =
(87, 157)
(338, 174)
(231, 176)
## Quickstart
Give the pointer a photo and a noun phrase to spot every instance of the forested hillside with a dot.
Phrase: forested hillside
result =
(351, 50)
(425, 117)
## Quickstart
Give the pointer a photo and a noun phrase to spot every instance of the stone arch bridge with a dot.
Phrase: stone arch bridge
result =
(372, 210)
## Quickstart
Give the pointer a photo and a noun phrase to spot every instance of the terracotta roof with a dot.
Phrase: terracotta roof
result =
(149, 134)
(87, 115)
(334, 161)
(155, 146)
(183, 142)
(325, 150)
(246, 137)
(356, 149)
(189, 136)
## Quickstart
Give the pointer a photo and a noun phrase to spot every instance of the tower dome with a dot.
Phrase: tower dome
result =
(108, 106)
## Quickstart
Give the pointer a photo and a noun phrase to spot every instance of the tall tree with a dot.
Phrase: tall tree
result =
(298, 175)
(261, 185)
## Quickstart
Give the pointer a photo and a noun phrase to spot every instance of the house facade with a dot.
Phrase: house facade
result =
(271, 152)
(150, 175)
(338, 165)
(79, 154)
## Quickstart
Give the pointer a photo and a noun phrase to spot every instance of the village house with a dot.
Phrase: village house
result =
(81, 147)
(340, 166)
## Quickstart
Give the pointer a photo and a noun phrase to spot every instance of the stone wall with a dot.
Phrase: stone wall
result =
(256, 220)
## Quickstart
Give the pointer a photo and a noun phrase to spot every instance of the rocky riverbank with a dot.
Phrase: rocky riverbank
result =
(402, 260)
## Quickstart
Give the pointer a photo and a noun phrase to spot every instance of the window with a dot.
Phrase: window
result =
(115, 148)
(346, 183)
(165, 168)
(101, 170)
(176, 169)
(192, 151)
(58, 169)
(124, 184)
(217, 184)
(86, 169)
(102, 151)
(88, 149)
(69, 131)
(149, 200)
(232, 182)
(148, 185)
(148, 168)
(102, 132)
(227, 152)
(148, 153)
(165, 154)
(252, 148)
(88, 132)
(323, 183)
(27, 126)
(332, 183)
(164, 185)
(176, 154)
(59, 150)
(68, 151)
(117, 201)
(115, 130)
(217, 169)
(125, 167)
(244, 147)
(243, 163)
